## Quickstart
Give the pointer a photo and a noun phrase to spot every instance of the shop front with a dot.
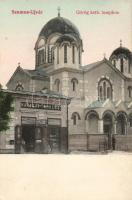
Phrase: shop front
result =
(40, 123)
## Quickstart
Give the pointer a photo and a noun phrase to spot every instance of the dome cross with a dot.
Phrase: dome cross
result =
(58, 11)
(120, 43)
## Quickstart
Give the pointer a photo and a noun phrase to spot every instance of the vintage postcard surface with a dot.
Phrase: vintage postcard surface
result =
(66, 99)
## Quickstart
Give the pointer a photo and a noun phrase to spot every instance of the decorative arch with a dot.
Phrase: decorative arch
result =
(109, 112)
(77, 114)
(74, 79)
(91, 112)
(122, 113)
(65, 43)
(92, 119)
(38, 41)
(75, 44)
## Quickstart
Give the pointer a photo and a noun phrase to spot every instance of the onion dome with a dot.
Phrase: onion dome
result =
(59, 25)
(121, 51)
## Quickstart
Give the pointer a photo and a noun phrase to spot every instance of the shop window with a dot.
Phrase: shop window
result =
(38, 135)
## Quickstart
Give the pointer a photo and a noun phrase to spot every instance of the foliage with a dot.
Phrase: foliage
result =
(6, 101)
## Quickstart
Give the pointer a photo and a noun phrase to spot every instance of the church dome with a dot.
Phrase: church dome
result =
(60, 25)
(121, 50)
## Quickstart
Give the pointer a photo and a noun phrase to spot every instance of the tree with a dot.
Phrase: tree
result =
(6, 101)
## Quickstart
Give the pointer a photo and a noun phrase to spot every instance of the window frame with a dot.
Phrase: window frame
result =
(104, 93)
(65, 53)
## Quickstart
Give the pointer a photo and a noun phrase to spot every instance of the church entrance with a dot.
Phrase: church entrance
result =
(121, 123)
(107, 119)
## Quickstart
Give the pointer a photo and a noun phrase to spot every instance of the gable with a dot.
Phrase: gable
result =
(104, 68)
(19, 76)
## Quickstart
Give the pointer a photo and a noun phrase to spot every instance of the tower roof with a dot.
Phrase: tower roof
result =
(59, 25)
(122, 50)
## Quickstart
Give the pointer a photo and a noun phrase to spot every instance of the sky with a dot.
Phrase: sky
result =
(101, 33)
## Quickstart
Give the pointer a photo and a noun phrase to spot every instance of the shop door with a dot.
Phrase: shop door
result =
(54, 138)
(28, 138)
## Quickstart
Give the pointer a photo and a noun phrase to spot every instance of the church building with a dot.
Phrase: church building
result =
(86, 108)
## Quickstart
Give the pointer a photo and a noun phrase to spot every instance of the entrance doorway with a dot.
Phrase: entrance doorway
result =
(54, 138)
(107, 119)
(28, 138)
(121, 124)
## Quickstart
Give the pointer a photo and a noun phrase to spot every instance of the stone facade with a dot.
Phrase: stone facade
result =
(100, 112)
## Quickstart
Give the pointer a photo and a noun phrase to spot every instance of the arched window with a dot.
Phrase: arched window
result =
(49, 54)
(65, 53)
(52, 54)
(130, 91)
(19, 87)
(104, 89)
(41, 57)
(74, 120)
(121, 123)
(79, 56)
(122, 65)
(129, 67)
(45, 55)
(57, 54)
(114, 63)
(57, 85)
(74, 82)
(75, 117)
(73, 54)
